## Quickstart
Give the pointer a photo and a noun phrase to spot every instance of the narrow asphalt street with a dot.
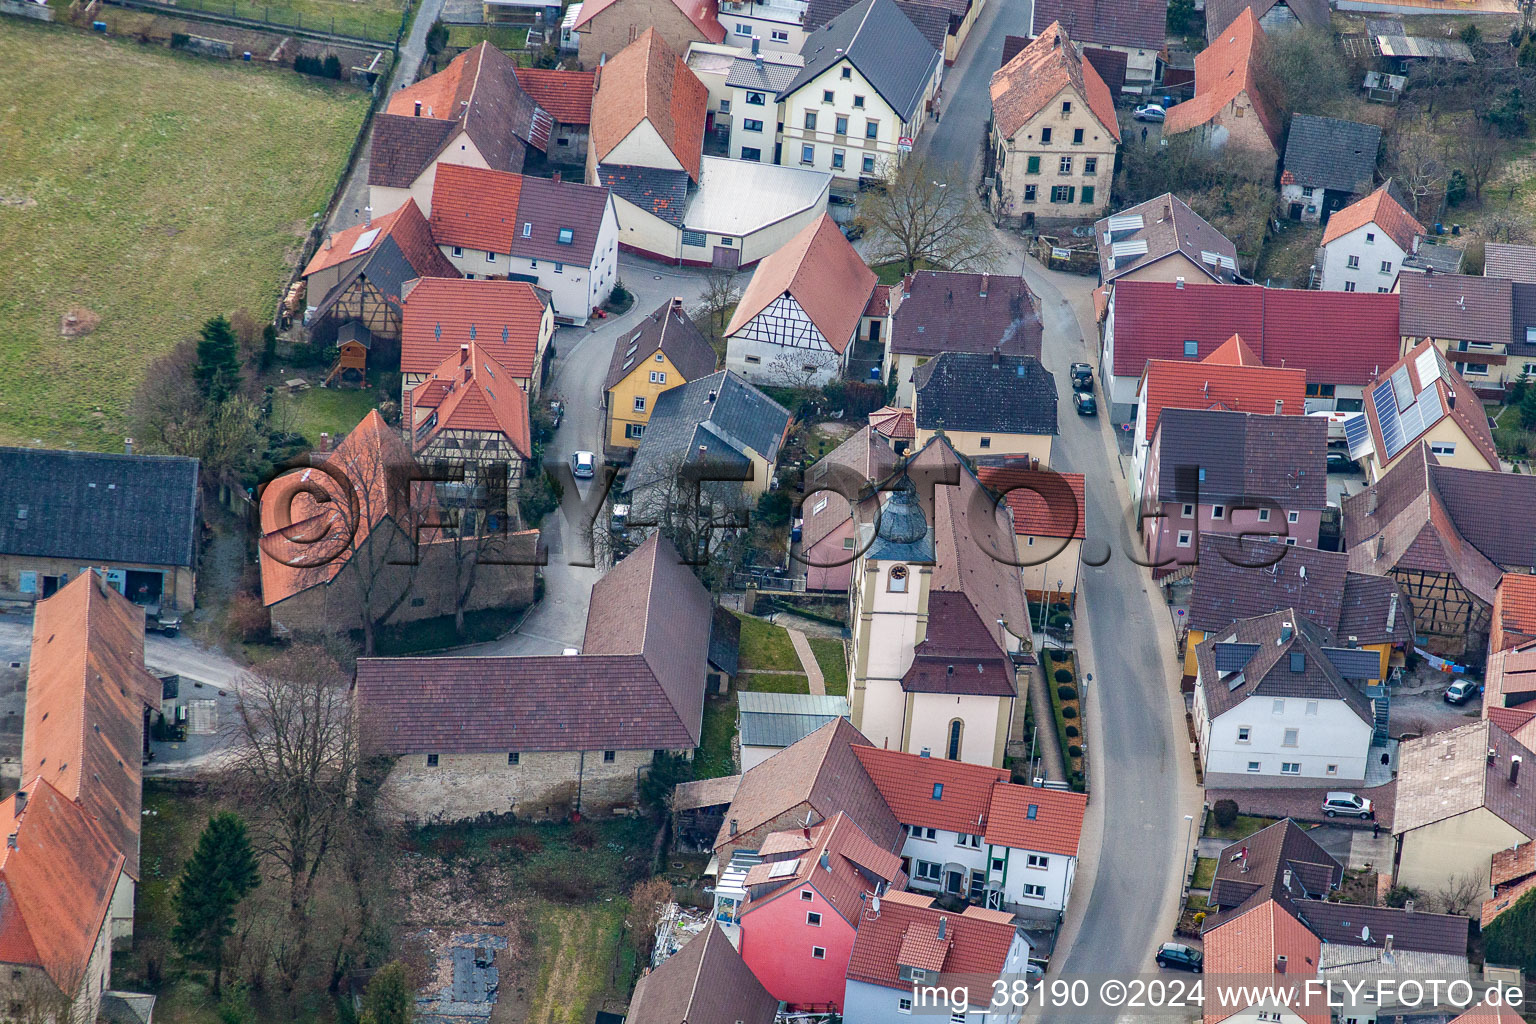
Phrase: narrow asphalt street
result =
(351, 209)
(966, 105)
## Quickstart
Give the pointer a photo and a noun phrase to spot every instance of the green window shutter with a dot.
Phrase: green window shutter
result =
(1087, 194)
(1033, 167)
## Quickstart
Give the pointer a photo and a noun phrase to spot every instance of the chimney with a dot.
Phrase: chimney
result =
(926, 753)
(469, 373)
(1280, 964)
(463, 354)
(943, 928)
(983, 286)
(703, 450)
(1286, 880)
(418, 108)
(21, 802)
(1514, 770)
(712, 397)
(127, 446)
(325, 442)
(1279, 406)
(677, 303)
(1167, 211)
(1285, 632)
(328, 239)
(826, 863)
(733, 826)
(368, 216)
(1386, 946)
(997, 361)
(1407, 906)
(10, 841)
(557, 177)
(1493, 757)
(756, 42)
(1391, 608)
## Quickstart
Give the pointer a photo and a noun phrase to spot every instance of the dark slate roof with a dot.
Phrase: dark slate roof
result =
(886, 48)
(1221, 13)
(1277, 666)
(1524, 302)
(970, 391)
(402, 146)
(655, 190)
(721, 413)
(777, 70)
(1139, 23)
(1283, 846)
(959, 654)
(669, 330)
(725, 641)
(388, 267)
(931, 19)
(706, 981)
(1242, 455)
(1239, 579)
(949, 311)
(1411, 930)
(97, 507)
(1326, 152)
(1110, 64)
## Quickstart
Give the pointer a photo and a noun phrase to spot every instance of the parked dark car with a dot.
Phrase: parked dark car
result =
(1181, 957)
(1084, 404)
(161, 620)
(1340, 462)
(1082, 377)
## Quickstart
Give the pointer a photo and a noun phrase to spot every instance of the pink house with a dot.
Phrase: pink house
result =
(827, 543)
(804, 904)
(1236, 473)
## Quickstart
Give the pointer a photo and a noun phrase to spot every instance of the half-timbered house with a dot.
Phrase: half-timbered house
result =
(511, 321)
(1447, 535)
(360, 273)
(470, 416)
(801, 313)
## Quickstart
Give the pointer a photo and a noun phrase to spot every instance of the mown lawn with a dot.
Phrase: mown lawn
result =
(1205, 873)
(153, 190)
(378, 20)
(776, 682)
(334, 411)
(834, 668)
(714, 758)
(579, 953)
(504, 37)
(1245, 826)
(766, 646)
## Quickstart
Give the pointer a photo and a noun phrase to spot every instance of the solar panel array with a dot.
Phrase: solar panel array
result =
(1357, 431)
(1217, 259)
(1126, 222)
(1401, 416)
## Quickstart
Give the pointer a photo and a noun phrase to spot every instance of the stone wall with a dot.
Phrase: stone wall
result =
(34, 11)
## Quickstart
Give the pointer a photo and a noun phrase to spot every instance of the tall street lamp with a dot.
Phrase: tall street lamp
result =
(1189, 831)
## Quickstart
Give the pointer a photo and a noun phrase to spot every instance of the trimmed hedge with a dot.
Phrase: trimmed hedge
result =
(1063, 675)
(1069, 712)
(1071, 732)
(1066, 692)
(1074, 751)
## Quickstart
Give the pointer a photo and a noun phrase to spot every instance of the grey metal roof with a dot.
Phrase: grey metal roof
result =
(721, 413)
(885, 47)
(769, 72)
(97, 507)
(1325, 152)
(780, 719)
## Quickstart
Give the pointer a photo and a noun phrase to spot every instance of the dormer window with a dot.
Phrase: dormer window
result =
(938, 790)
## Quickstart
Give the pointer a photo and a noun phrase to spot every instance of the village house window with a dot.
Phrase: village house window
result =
(1066, 107)
(1062, 193)
(1253, 766)
(1349, 286)
(1263, 515)
(1290, 768)
(1386, 266)
(1032, 165)
(658, 376)
(847, 74)
(1333, 769)
(1218, 511)
(1244, 733)
(972, 841)
(839, 157)
(904, 1005)
(431, 760)
(1311, 707)
(1187, 512)
(639, 403)
(749, 124)
(608, 756)
(659, 357)
(755, 99)
(1045, 136)
(633, 431)
(997, 863)
(1064, 166)
(871, 128)
(810, 120)
(1278, 707)
(826, 96)
(490, 257)
(1029, 193)
(1037, 861)
(1034, 892)
(818, 953)
(869, 165)
(813, 919)
(858, 101)
(1087, 194)
(743, 29)
(1307, 191)
(754, 360)
(527, 229)
(1292, 738)
(458, 250)
(1191, 349)
(1354, 263)
(1090, 165)
(566, 236)
(958, 1017)
(1370, 238)
(727, 240)
(1290, 542)
(699, 239)
(1443, 448)
(808, 154)
(938, 790)
(1077, 136)
(725, 106)
(559, 268)
(986, 442)
(805, 895)
(1319, 390)
(1184, 538)
(840, 125)
(1292, 517)
(513, 758)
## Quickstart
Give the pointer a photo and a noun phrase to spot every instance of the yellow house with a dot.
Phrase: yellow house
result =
(663, 351)
(1049, 512)
(1420, 398)
(992, 404)
(1233, 582)
(1460, 801)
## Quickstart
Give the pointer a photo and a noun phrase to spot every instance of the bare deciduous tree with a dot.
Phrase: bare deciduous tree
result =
(801, 369)
(1416, 161)
(171, 415)
(924, 213)
(1478, 152)
(721, 293)
(701, 510)
(1459, 895)
(293, 766)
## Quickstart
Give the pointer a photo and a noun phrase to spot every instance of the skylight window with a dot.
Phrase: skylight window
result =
(567, 236)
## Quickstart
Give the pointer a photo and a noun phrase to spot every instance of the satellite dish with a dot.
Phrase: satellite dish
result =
(1365, 933)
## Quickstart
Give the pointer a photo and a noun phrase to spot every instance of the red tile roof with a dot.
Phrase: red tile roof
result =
(470, 390)
(821, 270)
(1044, 503)
(441, 314)
(1488, 1015)
(1056, 825)
(1381, 209)
(907, 782)
(1219, 382)
(1038, 74)
(1224, 71)
(86, 694)
(1252, 942)
(1457, 401)
(1514, 607)
(475, 207)
(646, 81)
(844, 880)
(700, 12)
(567, 95)
(1284, 327)
(304, 543)
(894, 423)
(343, 245)
(56, 884)
(906, 932)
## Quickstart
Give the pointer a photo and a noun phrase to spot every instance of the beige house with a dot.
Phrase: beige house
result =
(1427, 402)
(608, 26)
(986, 405)
(1053, 135)
(1049, 512)
(1470, 319)
(467, 417)
(1162, 239)
(1462, 796)
(545, 736)
(931, 667)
